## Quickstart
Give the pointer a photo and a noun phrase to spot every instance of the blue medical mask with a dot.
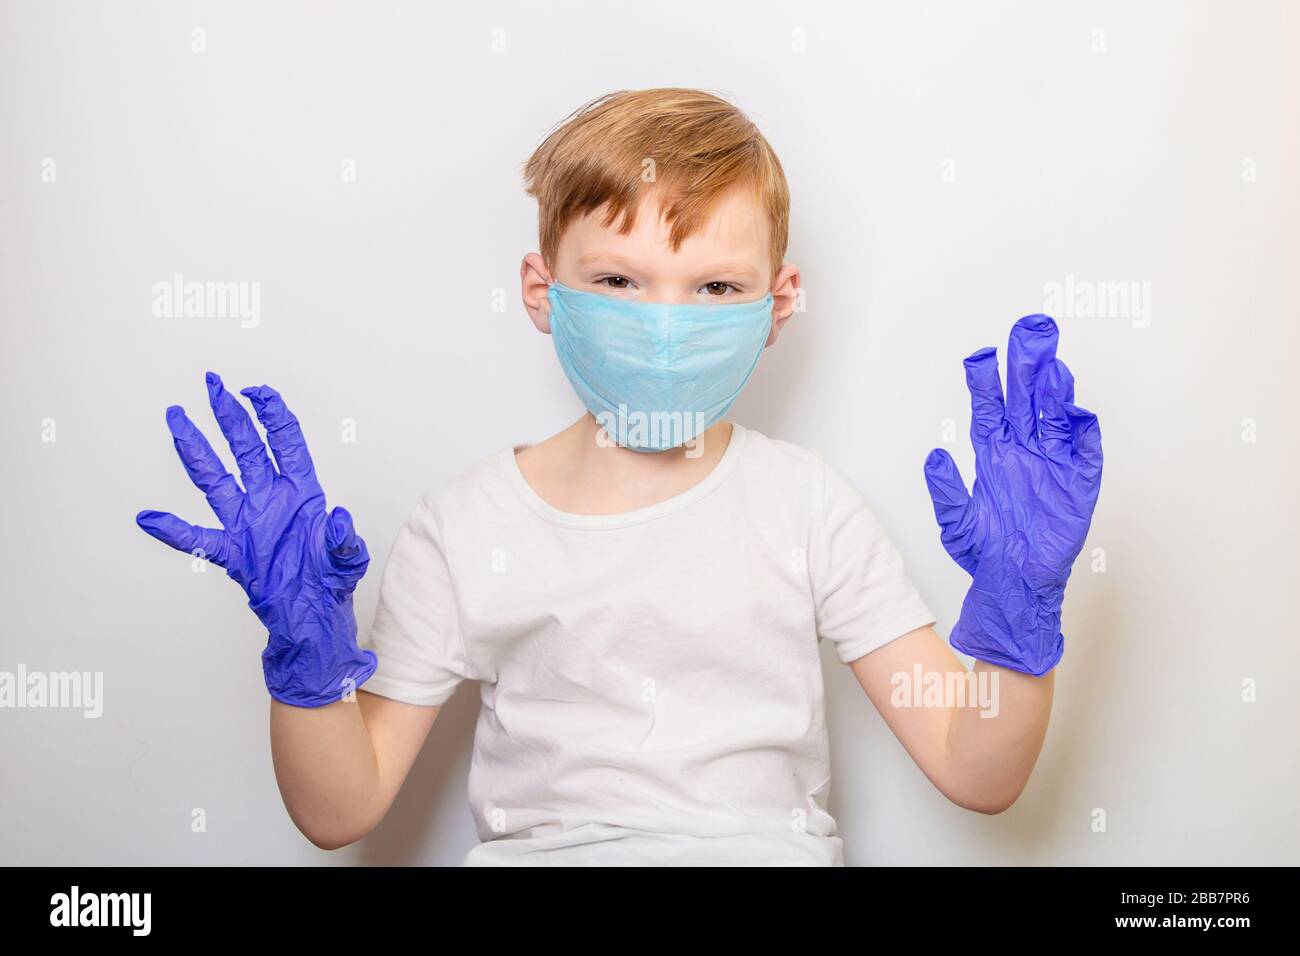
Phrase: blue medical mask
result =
(656, 374)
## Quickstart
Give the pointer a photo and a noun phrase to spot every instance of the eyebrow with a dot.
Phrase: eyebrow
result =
(604, 257)
(719, 268)
(731, 268)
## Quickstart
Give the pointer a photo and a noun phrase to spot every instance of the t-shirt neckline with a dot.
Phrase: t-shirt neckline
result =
(624, 519)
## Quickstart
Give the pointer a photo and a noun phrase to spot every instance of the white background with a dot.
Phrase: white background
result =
(947, 161)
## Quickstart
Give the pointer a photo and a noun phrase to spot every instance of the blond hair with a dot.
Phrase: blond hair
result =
(696, 145)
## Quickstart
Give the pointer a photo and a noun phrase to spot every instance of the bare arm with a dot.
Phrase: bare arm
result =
(340, 766)
(978, 762)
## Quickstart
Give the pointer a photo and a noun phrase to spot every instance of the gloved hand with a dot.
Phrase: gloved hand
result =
(298, 564)
(1036, 483)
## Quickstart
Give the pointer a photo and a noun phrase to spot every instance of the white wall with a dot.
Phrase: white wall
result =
(947, 162)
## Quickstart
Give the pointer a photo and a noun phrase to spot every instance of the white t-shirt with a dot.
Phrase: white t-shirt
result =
(651, 683)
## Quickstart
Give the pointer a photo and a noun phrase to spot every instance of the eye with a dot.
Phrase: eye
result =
(719, 288)
(615, 282)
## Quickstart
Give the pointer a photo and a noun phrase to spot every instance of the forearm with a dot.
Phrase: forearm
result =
(989, 752)
(340, 766)
(977, 739)
(326, 768)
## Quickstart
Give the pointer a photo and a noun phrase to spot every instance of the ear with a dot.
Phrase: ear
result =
(534, 277)
(785, 298)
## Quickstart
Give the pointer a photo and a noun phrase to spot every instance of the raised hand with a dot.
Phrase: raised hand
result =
(298, 564)
(1037, 475)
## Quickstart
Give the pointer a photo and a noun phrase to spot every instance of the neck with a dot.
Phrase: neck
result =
(577, 471)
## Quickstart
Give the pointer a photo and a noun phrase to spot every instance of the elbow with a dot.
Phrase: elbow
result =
(331, 820)
(328, 841)
(333, 835)
(990, 807)
(989, 804)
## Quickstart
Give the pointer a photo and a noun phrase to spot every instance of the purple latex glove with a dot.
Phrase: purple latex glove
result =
(1037, 476)
(298, 564)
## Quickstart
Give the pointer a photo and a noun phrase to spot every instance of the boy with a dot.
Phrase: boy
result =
(642, 595)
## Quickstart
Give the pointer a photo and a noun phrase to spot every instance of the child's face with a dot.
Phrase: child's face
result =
(726, 261)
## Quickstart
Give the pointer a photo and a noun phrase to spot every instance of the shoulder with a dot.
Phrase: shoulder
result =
(482, 487)
(795, 472)
(782, 457)
(797, 468)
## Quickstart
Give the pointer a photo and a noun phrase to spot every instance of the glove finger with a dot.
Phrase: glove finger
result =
(340, 535)
(255, 466)
(947, 490)
(345, 549)
(953, 507)
(1030, 351)
(1086, 440)
(283, 433)
(987, 415)
(1054, 428)
(204, 467)
(211, 544)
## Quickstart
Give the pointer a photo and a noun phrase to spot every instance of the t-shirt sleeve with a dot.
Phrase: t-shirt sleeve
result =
(863, 596)
(416, 634)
